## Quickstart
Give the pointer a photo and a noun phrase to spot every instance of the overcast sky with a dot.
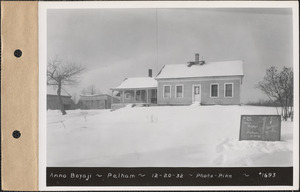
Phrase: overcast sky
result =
(117, 43)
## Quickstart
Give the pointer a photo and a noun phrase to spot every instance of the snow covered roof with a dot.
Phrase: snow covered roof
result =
(211, 69)
(96, 96)
(137, 83)
(53, 91)
(87, 95)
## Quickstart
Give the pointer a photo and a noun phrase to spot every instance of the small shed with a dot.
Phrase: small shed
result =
(99, 101)
(53, 101)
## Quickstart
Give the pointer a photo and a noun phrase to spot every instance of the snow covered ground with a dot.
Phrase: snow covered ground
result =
(183, 136)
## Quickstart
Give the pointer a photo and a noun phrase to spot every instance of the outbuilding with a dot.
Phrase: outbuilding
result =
(100, 101)
(53, 100)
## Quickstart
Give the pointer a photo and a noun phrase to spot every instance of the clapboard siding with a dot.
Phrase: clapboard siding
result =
(205, 91)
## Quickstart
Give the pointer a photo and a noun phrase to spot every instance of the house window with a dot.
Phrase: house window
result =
(228, 90)
(214, 90)
(179, 91)
(127, 95)
(196, 90)
(153, 93)
(167, 91)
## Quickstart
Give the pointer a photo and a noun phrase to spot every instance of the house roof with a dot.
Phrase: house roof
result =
(137, 83)
(211, 69)
(53, 91)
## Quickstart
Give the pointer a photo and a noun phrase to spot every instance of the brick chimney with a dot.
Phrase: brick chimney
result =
(149, 72)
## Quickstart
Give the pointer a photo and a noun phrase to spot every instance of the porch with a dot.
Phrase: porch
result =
(146, 96)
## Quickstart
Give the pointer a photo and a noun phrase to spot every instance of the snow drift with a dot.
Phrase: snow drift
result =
(183, 136)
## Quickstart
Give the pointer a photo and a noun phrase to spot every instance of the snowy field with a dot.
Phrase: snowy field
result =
(182, 136)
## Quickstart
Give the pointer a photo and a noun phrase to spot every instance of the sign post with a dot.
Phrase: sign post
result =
(260, 127)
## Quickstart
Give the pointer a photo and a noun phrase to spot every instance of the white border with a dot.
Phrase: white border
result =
(177, 85)
(42, 19)
(296, 94)
(232, 91)
(43, 6)
(210, 93)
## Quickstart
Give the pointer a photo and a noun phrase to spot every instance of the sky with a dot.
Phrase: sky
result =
(113, 44)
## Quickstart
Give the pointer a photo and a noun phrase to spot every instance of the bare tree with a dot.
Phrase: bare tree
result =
(74, 97)
(99, 91)
(278, 86)
(92, 89)
(83, 91)
(61, 73)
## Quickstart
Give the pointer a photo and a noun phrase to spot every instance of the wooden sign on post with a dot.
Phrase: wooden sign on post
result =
(260, 127)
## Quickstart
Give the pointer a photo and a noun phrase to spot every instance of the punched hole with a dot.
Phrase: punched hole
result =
(16, 134)
(18, 53)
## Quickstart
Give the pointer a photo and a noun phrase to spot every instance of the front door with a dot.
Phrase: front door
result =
(197, 93)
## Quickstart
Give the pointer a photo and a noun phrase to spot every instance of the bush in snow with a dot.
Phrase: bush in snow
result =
(84, 114)
(152, 119)
(278, 86)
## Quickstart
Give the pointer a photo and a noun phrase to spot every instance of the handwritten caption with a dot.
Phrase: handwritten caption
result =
(169, 176)
(88, 176)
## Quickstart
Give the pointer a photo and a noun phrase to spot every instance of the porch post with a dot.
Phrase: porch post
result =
(134, 96)
(123, 96)
(111, 99)
(147, 92)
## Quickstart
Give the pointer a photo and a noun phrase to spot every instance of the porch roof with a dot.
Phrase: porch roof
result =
(95, 97)
(137, 83)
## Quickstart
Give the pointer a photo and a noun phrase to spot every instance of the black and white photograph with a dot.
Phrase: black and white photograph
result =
(170, 87)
